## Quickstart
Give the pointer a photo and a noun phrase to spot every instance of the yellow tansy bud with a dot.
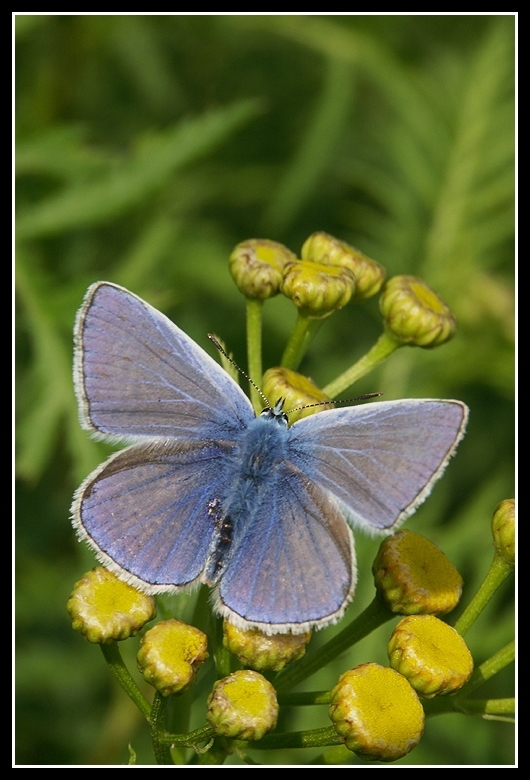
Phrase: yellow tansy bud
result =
(503, 529)
(170, 654)
(320, 247)
(104, 609)
(377, 713)
(430, 654)
(243, 706)
(316, 289)
(415, 577)
(257, 267)
(260, 651)
(414, 314)
(296, 389)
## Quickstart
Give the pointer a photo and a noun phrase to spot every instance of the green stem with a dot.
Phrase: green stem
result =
(496, 575)
(373, 616)
(300, 739)
(112, 655)
(254, 322)
(161, 749)
(304, 330)
(488, 706)
(304, 699)
(221, 655)
(202, 734)
(217, 754)
(383, 347)
(442, 705)
(488, 669)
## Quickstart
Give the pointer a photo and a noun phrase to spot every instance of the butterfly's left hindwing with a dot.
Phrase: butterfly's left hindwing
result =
(146, 512)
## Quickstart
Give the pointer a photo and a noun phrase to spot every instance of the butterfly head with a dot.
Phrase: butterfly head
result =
(276, 413)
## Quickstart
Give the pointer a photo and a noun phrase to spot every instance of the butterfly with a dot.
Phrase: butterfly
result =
(208, 492)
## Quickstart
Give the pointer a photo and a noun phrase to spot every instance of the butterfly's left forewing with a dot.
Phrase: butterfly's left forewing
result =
(137, 375)
(380, 460)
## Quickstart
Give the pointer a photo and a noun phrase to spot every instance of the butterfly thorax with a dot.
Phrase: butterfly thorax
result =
(262, 445)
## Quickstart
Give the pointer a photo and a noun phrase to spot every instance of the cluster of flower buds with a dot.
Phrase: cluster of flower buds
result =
(329, 274)
(377, 710)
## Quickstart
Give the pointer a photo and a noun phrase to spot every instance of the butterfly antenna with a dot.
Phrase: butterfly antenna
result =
(364, 397)
(223, 352)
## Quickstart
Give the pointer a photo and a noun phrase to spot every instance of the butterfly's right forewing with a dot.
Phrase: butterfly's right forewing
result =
(380, 460)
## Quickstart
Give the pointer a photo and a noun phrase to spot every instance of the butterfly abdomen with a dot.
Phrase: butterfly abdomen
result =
(252, 465)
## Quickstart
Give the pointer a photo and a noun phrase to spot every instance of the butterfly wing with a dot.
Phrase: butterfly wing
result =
(380, 460)
(292, 562)
(147, 512)
(137, 375)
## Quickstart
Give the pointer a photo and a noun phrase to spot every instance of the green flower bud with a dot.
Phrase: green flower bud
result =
(430, 654)
(317, 290)
(257, 267)
(414, 577)
(170, 655)
(260, 651)
(296, 389)
(414, 314)
(503, 529)
(322, 248)
(243, 706)
(104, 609)
(376, 712)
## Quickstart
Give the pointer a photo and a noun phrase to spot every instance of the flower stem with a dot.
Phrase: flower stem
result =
(221, 655)
(373, 616)
(488, 669)
(304, 699)
(254, 321)
(496, 575)
(112, 655)
(161, 749)
(383, 347)
(304, 330)
(301, 739)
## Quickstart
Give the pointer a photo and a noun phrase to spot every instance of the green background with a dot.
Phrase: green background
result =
(147, 147)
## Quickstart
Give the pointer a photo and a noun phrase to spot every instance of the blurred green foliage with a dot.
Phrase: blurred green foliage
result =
(147, 147)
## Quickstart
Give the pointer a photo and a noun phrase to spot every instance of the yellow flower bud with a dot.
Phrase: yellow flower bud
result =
(316, 289)
(415, 577)
(320, 247)
(260, 651)
(430, 654)
(503, 529)
(377, 713)
(296, 389)
(414, 314)
(170, 654)
(104, 609)
(243, 706)
(257, 267)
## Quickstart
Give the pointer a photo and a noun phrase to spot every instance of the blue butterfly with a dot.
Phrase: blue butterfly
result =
(209, 493)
